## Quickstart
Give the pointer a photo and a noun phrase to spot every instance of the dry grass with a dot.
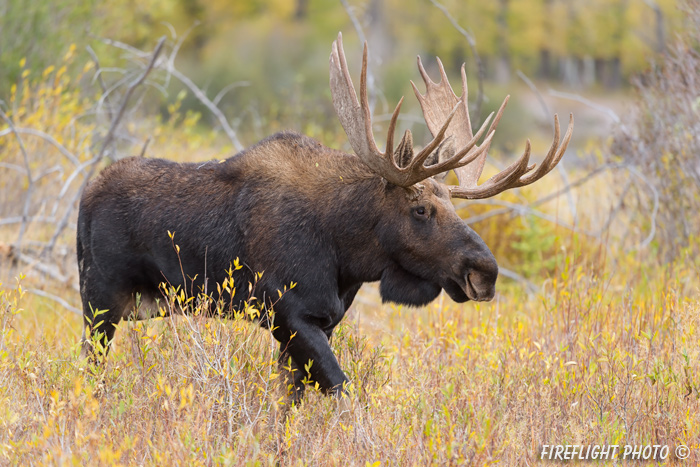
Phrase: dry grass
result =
(604, 355)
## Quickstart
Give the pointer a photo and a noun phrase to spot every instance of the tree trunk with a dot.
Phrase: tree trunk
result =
(301, 10)
(588, 74)
(545, 64)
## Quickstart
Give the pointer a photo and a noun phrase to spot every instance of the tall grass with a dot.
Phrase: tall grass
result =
(602, 355)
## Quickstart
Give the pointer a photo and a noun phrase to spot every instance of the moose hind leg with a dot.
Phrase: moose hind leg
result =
(103, 308)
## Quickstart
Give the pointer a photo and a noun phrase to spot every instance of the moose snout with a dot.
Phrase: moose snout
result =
(481, 278)
(480, 288)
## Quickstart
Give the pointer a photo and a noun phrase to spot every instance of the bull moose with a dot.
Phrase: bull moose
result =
(301, 212)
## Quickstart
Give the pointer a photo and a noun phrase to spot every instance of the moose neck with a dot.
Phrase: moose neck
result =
(361, 256)
(343, 199)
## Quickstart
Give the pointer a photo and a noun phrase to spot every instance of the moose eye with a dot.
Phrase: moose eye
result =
(420, 213)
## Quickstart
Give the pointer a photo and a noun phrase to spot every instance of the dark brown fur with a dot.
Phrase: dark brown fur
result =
(288, 207)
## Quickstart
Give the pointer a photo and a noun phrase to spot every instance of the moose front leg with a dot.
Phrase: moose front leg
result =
(307, 345)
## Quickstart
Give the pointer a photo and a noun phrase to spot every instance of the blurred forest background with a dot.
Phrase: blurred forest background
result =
(280, 48)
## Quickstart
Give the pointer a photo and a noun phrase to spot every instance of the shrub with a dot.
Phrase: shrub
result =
(661, 137)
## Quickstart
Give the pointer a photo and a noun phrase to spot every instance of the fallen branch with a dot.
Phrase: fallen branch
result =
(55, 298)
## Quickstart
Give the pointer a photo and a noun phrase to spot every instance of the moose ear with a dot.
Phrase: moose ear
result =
(404, 151)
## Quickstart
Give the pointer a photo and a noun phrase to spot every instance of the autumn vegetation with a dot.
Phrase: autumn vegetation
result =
(592, 337)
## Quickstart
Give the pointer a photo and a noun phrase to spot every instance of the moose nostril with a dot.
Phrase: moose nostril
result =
(481, 286)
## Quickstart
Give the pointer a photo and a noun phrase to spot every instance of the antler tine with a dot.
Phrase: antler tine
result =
(458, 160)
(427, 150)
(355, 115)
(364, 102)
(516, 175)
(496, 184)
(554, 154)
(470, 173)
(389, 150)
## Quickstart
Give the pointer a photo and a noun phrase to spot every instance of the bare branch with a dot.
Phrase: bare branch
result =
(575, 97)
(531, 287)
(34, 263)
(228, 88)
(56, 299)
(547, 113)
(585, 179)
(20, 219)
(46, 137)
(522, 209)
(371, 82)
(30, 179)
(98, 77)
(652, 231)
(199, 94)
(106, 142)
(481, 71)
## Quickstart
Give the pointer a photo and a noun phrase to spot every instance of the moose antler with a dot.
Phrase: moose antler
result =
(447, 117)
(355, 118)
(439, 97)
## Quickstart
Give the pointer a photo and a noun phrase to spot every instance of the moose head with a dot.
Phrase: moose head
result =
(450, 252)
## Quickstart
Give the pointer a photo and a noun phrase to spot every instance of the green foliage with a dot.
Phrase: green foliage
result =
(39, 31)
(536, 247)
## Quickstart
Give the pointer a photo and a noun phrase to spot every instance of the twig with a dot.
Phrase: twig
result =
(517, 277)
(547, 113)
(177, 46)
(371, 82)
(30, 178)
(56, 299)
(145, 146)
(105, 143)
(652, 231)
(575, 97)
(199, 94)
(481, 72)
(536, 92)
(98, 77)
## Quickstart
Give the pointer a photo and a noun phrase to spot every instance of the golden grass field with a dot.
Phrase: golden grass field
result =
(602, 355)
